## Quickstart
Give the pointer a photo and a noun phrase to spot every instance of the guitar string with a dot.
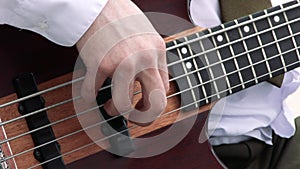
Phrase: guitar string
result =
(41, 92)
(102, 139)
(170, 64)
(235, 41)
(130, 128)
(238, 25)
(168, 97)
(78, 97)
(266, 15)
(165, 114)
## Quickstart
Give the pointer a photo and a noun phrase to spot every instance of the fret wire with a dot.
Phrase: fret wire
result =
(102, 139)
(210, 70)
(261, 44)
(222, 65)
(202, 49)
(248, 55)
(189, 73)
(194, 40)
(198, 72)
(262, 61)
(234, 59)
(185, 71)
(191, 87)
(13, 156)
(239, 85)
(242, 39)
(276, 42)
(212, 64)
(226, 90)
(259, 62)
(214, 33)
(297, 51)
(238, 55)
(236, 64)
(291, 33)
(239, 25)
(229, 58)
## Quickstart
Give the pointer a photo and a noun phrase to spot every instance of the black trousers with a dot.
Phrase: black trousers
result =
(254, 154)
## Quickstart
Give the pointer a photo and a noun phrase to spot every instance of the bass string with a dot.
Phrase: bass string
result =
(105, 138)
(83, 129)
(252, 20)
(168, 97)
(40, 164)
(77, 149)
(180, 45)
(87, 145)
(60, 121)
(41, 92)
(243, 39)
(179, 93)
(170, 64)
(106, 87)
(173, 95)
(238, 55)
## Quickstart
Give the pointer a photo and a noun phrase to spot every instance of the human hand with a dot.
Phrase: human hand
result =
(123, 45)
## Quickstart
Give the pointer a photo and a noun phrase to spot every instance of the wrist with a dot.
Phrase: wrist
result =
(113, 11)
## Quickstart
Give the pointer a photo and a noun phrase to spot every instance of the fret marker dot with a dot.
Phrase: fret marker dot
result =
(184, 50)
(220, 38)
(276, 18)
(188, 65)
(246, 29)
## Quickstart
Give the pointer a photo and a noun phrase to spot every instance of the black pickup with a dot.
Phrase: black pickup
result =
(115, 128)
(25, 85)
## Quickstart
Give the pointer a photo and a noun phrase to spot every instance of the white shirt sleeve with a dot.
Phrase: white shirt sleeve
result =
(254, 112)
(61, 21)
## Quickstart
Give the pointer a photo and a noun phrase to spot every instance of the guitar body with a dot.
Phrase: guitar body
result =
(23, 51)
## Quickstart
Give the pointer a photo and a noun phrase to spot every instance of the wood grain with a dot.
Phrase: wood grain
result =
(71, 125)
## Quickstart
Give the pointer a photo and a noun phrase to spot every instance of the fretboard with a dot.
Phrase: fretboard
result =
(223, 60)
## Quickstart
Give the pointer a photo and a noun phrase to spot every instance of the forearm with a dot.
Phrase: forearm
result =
(113, 11)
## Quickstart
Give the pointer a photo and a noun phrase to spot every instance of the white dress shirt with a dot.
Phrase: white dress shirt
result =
(252, 113)
(61, 21)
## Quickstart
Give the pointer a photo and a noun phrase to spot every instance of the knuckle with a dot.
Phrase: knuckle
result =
(147, 59)
(128, 67)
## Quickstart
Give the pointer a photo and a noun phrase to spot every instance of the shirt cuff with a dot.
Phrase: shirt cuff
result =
(61, 21)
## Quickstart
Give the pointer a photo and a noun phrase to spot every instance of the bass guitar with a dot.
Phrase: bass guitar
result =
(40, 128)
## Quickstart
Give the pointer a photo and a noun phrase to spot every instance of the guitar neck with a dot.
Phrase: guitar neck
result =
(223, 60)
